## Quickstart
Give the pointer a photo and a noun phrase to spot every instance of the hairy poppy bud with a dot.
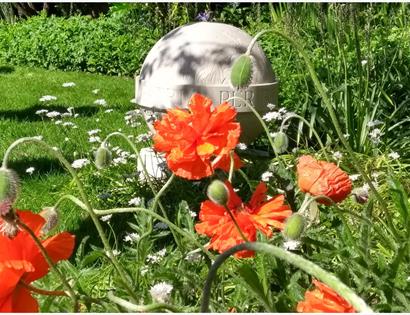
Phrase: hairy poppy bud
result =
(102, 157)
(280, 143)
(241, 71)
(9, 186)
(50, 214)
(360, 195)
(294, 226)
(218, 192)
(8, 225)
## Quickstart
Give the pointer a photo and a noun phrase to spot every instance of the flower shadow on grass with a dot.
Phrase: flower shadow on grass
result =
(29, 114)
(6, 69)
(42, 166)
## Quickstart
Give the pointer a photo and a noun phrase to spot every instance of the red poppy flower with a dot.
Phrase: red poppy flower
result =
(198, 141)
(22, 263)
(258, 214)
(323, 178)
(323, 300)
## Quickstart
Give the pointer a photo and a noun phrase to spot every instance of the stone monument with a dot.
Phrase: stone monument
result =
(198, 58)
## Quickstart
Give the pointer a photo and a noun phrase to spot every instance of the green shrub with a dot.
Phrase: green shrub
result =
(81, 43)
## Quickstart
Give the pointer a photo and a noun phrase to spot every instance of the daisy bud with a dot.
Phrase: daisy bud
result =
(102, 157)
(241, 71)
(360, 195)
(50, 214)
(280, 143)
(9, 186)
(294, 227)
(218, 192)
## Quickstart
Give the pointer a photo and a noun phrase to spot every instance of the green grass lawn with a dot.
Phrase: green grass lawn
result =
(19, 101)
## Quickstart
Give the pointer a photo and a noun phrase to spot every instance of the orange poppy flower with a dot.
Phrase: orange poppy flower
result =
(258, 214)
(323, 178)
(198, 141)
(22, 263)
(323, 300)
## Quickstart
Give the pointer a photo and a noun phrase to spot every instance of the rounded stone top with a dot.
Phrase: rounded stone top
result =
(197, 58)
(192, 58)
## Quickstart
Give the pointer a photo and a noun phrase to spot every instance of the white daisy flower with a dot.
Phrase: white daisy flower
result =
(131, 237)
(271, 106)
(47, 98)
(161, 292)
(53, 114)
(266, 176)
(291, 245)
(394, 155)
(94, 139)
(80, 163)
(101, 102)
(157, 257)
(272, 116)
(30, 170)
(41, 112)
(354, 177)
(337, 155)
(96, 91)
(106, 218)
(135, 201)
(68, 84)
(241, 146)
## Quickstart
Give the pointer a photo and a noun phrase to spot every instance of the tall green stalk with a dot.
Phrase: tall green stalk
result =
(314, 270)
(85, 200)
(329, 107)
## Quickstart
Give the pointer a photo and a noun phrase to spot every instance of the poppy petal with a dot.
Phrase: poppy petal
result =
(259, 195)
(12, 276)
(59, 247)
(34, 221)
(23, 302)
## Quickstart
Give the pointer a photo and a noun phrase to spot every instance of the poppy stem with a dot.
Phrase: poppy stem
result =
(159, 194)
(147, 177)
(328, 104)
(89, 208)
(311, 128)
(231, 166)
(155, 307)
(236, 223)
(160, 218)
(41, 291)
(309, 267)
(50, 262)
(255, 112)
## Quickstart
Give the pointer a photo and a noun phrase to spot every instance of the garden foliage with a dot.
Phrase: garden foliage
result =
(317, 224)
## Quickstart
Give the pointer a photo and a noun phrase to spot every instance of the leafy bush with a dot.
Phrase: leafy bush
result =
(77, 43)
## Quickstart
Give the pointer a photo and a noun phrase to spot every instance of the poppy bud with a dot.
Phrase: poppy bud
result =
(50, 214)
(9, 186)
(102, 157)
(280, 143)
(8, 225)
(241, 71)
(360, 195)
(294, 226)
(218, 192)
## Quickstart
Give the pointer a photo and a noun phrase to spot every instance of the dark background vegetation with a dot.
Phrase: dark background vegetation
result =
(361, 55)
(361, 51)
